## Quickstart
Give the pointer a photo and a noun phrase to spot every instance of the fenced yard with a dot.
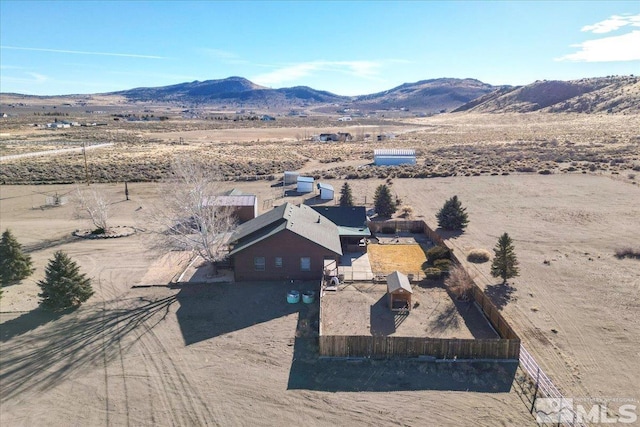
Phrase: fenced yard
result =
(362, 309)
(361, 324)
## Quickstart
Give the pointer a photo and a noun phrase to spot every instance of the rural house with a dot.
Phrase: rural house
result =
(288, 242)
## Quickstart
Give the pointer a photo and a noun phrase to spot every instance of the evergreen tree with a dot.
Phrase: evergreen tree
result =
(384, 203)
(346, 198)
(63, 286)
(452, 216)
(505, 263)
(15, 265)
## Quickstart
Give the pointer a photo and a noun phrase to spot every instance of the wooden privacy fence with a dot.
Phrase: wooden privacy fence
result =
(384, 347)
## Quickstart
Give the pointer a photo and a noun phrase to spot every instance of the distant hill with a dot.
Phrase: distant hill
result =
(613, 94)
(428, 95)
(234, 90)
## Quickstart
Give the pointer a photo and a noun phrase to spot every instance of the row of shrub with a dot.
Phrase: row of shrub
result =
(438, 262)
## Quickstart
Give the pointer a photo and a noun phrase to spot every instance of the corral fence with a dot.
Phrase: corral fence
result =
(536, 384)
(381, 347)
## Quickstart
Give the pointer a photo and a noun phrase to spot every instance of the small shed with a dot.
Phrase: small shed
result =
(399, 291)
(290, 177)
(326, 191)
(390, 157)
(305, 184)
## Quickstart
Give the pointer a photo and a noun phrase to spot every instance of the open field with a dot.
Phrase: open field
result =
(192, 355)
(446, 145)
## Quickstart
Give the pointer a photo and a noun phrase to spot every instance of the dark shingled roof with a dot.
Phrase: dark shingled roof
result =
(301, 220)
(351, 220)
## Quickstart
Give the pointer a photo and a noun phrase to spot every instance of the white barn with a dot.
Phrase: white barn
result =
(326, 191)
(390, 157)
(305, 184)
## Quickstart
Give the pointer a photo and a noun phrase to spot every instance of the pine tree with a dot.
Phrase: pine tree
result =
(15, 265)
(346, 198)
(452, 216)
(384, 204)
(63, 286)
(505, 263)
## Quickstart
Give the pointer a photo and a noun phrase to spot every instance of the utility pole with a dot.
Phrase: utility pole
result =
(126, 190)
(86, 168)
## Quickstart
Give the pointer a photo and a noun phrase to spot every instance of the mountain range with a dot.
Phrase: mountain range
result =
(611, 94)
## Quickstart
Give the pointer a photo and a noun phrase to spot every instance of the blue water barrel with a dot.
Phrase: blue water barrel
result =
(308, 297)
(293, 297)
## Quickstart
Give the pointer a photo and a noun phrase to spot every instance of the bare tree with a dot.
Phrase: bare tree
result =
(92, 204)
(189, 216)
(459, 282)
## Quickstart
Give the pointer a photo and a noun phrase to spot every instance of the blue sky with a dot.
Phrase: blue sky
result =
(349, 48)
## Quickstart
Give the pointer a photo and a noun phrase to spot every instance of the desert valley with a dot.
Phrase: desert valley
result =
(163, 341)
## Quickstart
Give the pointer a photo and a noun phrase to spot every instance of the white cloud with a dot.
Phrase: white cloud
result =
(613, 23)
(609, 49)
(29, 78)
(80, 52)
(362, 69)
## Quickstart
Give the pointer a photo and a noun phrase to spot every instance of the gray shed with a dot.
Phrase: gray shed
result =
(399, 291)
(290, 177)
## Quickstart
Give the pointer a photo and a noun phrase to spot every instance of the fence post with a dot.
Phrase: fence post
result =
(535, 393)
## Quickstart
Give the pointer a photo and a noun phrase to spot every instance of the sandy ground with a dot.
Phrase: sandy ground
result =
(198, 354)
(362, 309)
(578, 314)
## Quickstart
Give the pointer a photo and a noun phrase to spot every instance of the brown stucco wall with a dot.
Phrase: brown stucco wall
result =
(291, 247)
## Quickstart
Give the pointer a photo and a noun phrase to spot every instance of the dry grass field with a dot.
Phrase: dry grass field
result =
(148, 356)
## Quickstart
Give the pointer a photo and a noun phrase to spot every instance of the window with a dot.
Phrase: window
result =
(278, 262)
(258, 263)
(305, 263)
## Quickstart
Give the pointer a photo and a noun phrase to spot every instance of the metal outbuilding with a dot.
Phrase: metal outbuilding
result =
(390, 157)
(326, 191)
(305, 184)
(290, 177)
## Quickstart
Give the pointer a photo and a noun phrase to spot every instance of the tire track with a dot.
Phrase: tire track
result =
(190, 406)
